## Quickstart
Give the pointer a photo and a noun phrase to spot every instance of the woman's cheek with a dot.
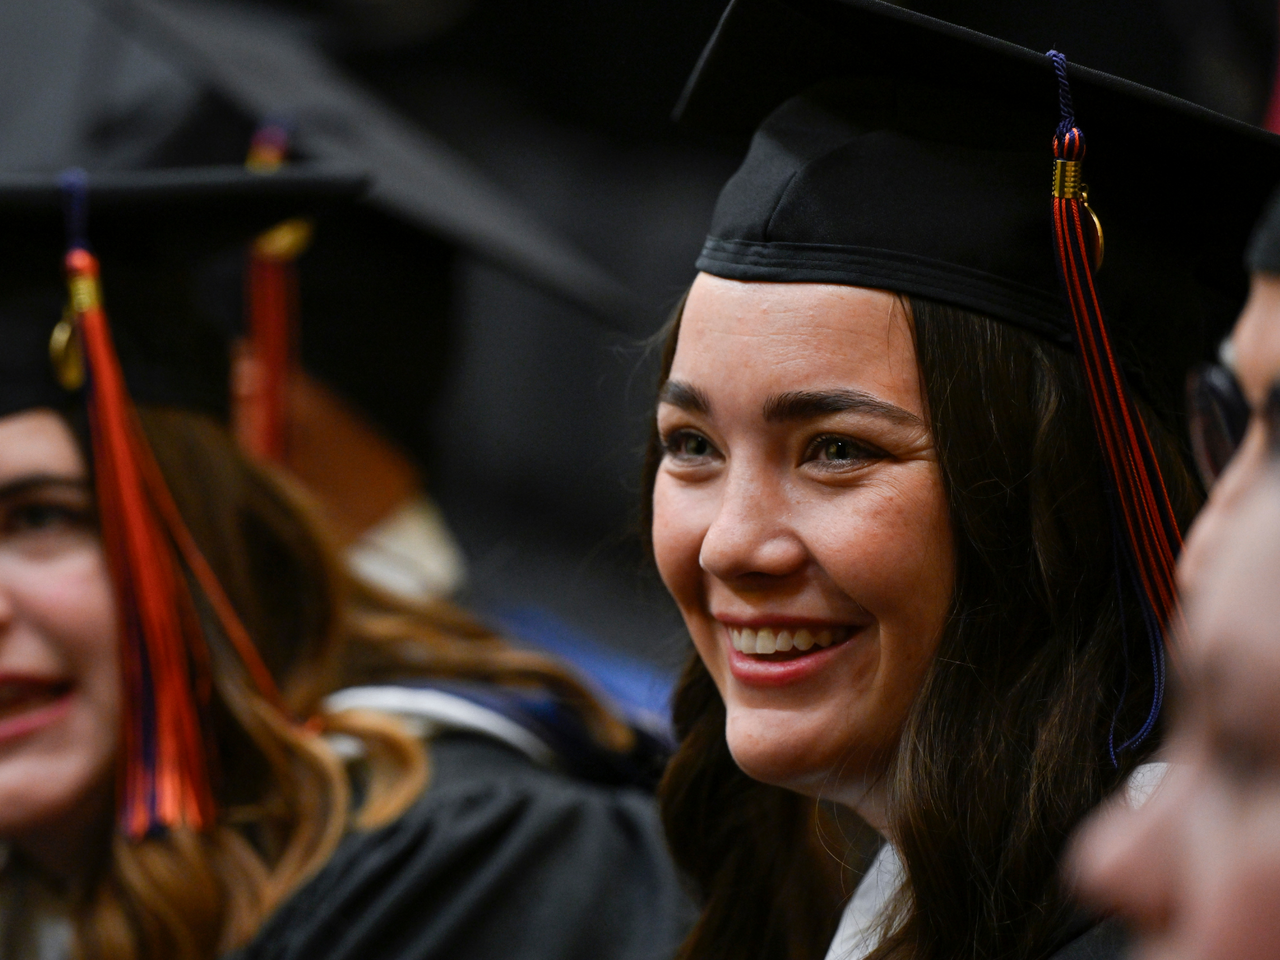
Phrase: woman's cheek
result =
(892, 550)
(82, 611)
(677, 540)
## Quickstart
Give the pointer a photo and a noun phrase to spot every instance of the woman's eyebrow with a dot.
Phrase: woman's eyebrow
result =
(685, 396)
(35, 481)
(809, 404)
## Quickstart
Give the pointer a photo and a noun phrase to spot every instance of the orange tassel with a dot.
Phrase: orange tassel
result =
(273, 310)
(272, 301)
(165, 779)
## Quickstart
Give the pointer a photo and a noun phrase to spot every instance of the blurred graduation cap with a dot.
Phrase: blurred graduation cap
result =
(270, 69)
(151, 231)
(898, 152)
(376, 280)
(72, 249)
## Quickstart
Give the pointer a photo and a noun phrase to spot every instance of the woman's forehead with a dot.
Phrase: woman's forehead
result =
(750, 339)
(38, 442)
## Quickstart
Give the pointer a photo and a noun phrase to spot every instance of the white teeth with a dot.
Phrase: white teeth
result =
(765, 642)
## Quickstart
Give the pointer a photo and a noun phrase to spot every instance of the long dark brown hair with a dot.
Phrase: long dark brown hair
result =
(284, 795)
(1007, 744)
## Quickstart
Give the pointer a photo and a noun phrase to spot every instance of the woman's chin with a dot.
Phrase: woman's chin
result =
(795, 753)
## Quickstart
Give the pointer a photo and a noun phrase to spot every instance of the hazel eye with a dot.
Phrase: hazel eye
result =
(687, 445)
(840, 450)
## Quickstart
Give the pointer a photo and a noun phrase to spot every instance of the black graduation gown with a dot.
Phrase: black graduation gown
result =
(1101, 941)
(499, 858)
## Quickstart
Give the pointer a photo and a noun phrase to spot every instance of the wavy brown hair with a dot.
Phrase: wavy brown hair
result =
(285, 798)
(1006, 746)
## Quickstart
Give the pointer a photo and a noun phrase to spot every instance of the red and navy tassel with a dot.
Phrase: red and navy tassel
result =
(1141, 509)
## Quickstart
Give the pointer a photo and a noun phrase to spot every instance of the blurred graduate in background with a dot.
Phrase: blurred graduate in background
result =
(153, 85)
(187, 769)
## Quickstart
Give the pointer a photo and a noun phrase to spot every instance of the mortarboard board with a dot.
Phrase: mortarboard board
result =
(894, 151)
(267, 67)
(149, 231)
(376, 280)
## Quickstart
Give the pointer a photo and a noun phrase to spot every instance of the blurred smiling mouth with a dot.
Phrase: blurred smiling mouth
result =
(786, 643)
(18, 697)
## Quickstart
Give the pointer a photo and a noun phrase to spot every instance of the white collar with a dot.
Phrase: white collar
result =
(410, 553)
(860, 924)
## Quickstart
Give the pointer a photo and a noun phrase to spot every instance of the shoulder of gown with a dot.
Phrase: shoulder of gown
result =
(498, 858)
(1102, 941)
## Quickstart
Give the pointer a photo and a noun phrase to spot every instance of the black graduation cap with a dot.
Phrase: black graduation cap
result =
(895, 151)
(376, 282)
(268, 67)
(151, 231)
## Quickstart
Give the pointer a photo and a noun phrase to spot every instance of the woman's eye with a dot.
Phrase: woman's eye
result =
(841, 450)
(36, 517)
(688, 445)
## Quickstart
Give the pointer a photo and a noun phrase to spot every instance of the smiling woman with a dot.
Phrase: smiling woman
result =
(59, 676)
(915, 497)
(799, 510)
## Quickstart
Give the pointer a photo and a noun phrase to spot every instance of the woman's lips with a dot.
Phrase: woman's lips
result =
(781, 654)
(27, 704)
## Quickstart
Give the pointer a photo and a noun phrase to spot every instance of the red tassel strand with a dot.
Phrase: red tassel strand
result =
(272, 302)
(165, 776)
(165, 780)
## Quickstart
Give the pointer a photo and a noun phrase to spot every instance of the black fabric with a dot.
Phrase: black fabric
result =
(898, 152)
(1102, 941)
(1264, 247)
(499, 858)
(376, 295)
(150, 231)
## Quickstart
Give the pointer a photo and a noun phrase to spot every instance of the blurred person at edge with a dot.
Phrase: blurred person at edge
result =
(309, 826)
(1196, 870)
(879, 494)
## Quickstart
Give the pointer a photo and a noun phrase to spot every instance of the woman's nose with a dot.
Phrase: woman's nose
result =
(752, 533)
(1215, 520)
(1128, 861)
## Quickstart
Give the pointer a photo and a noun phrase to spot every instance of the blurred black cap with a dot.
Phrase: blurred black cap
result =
(151, 232)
